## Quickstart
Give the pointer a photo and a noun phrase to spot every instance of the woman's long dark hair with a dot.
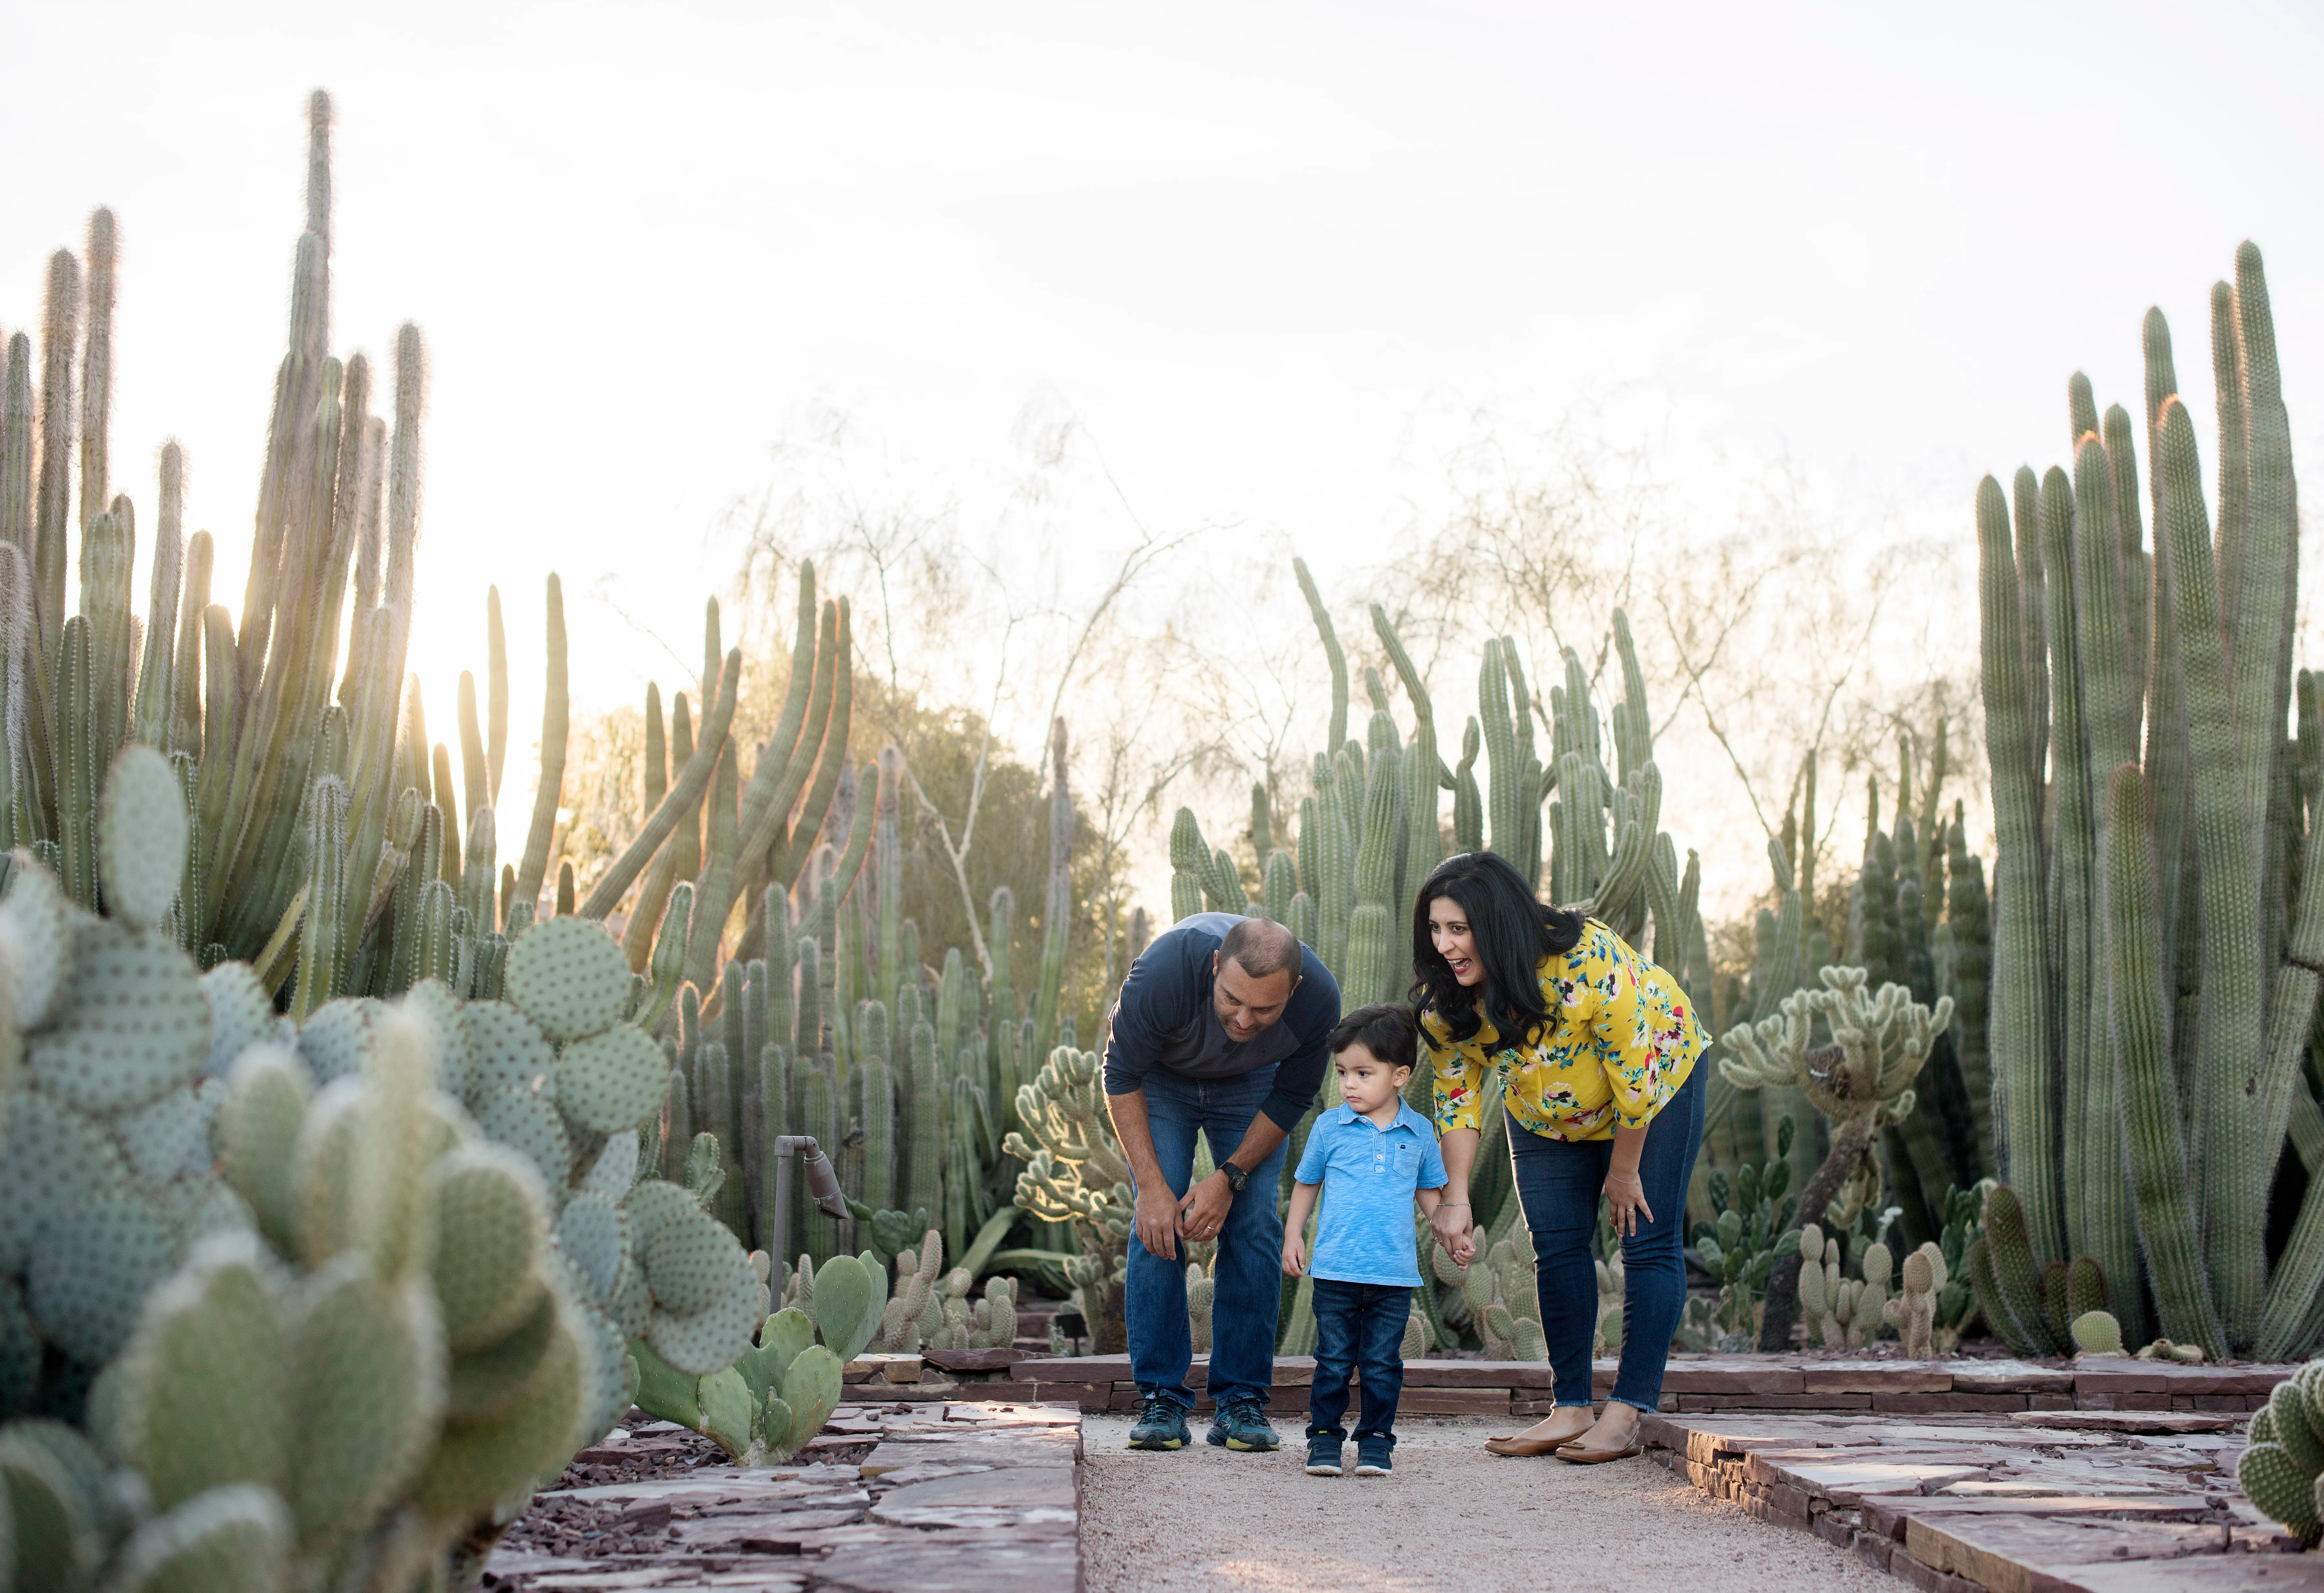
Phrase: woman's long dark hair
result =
(1514, 931)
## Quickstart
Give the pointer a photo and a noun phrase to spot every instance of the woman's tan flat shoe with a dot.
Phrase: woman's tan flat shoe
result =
(1525, 1446)
(1574, 1454)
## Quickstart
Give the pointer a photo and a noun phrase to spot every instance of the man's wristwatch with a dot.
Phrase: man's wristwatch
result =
(1236, 1176)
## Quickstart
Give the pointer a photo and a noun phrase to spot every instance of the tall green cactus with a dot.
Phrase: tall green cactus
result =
(2175, 1037)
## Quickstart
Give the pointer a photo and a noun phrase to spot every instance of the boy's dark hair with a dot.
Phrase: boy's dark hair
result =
(1383, 1028)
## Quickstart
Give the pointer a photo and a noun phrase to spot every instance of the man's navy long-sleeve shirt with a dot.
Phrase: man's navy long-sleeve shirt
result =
(1168, 1003)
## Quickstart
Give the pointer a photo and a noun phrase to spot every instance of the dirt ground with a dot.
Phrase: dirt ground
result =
(1452, 1517)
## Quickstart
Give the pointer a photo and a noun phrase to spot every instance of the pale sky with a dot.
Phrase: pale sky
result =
(1274, 257)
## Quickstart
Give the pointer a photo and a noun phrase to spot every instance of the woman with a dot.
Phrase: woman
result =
(1596, 1048)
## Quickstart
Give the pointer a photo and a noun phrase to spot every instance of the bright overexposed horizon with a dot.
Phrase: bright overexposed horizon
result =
(1276, 260)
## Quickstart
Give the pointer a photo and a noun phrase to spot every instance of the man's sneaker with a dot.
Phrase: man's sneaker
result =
(1241, 1424)
(1322, 1454)
(1374, 1452)
(1161, 1424)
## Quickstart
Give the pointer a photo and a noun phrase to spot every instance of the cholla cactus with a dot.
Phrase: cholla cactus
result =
(1200, 1289)
(1074, 1172)
(914, 1309)
(1841, 1313)
(989, 1323)
(1913, 1313)
(1612, 1283)
(1862, 1082)
(2282, 1470)
(1879, 1043)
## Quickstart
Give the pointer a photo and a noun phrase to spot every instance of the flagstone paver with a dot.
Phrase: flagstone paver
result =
(938, 1497)
(2078, 1502)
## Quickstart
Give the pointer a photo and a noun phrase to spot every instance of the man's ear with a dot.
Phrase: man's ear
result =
(1214, 963)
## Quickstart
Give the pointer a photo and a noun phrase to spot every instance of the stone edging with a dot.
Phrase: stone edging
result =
(1692, 1384)
(2132, 1502)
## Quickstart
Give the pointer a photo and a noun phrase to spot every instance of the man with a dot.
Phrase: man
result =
(1220, 1027)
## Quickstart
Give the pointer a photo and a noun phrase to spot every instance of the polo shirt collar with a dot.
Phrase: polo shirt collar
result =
(1346, 1116)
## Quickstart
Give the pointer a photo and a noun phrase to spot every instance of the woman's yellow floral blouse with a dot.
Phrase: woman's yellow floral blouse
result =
(1621, 1039)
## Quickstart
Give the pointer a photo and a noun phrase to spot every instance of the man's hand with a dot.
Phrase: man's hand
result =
(1294, 1257)
(1157, 1220)
(1205, 1209)
(1450, 1224)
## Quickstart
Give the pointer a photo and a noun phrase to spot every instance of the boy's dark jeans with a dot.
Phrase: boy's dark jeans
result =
(1358, 1327)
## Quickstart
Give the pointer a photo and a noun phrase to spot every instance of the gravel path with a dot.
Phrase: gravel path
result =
(1452, 1517)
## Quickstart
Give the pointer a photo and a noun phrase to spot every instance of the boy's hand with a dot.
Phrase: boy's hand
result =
(1450, 1224)
(1294, 1257)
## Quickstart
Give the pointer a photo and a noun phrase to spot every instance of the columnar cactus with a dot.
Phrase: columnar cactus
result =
(2167, 878)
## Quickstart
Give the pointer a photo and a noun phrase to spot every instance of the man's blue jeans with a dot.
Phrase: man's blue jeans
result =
(1358, 1327)
(1559, 1182)
(1249, 1292)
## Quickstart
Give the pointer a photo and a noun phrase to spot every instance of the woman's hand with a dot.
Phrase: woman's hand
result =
(1626, 1194)
(1450, 1221)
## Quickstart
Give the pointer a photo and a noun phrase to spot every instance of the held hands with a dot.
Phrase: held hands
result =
(1626, 1196)
(1450, 1224)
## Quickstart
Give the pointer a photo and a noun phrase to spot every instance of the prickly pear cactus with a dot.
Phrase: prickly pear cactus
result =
(112, 1051)
(336, 1398)
(556, 1076)
(764, 1408)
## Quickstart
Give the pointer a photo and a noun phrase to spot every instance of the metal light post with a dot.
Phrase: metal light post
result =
(822, 1181)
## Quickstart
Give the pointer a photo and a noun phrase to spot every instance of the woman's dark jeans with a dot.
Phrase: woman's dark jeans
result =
(1559, 1182)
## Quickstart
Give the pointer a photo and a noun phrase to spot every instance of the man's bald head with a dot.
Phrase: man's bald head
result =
(1262, 947)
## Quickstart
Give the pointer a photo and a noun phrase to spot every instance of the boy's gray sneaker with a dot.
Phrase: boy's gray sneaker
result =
(1161, 1424)
(1374, 1455)
(1322, 1455)
(1241, 1424)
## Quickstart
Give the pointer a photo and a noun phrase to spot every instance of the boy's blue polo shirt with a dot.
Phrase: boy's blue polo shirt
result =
(1368, 1175)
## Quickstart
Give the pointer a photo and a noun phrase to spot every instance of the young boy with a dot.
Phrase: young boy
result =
(1366, 1157)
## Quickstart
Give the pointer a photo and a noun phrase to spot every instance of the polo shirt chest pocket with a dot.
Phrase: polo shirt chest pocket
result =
(1400, 1159)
